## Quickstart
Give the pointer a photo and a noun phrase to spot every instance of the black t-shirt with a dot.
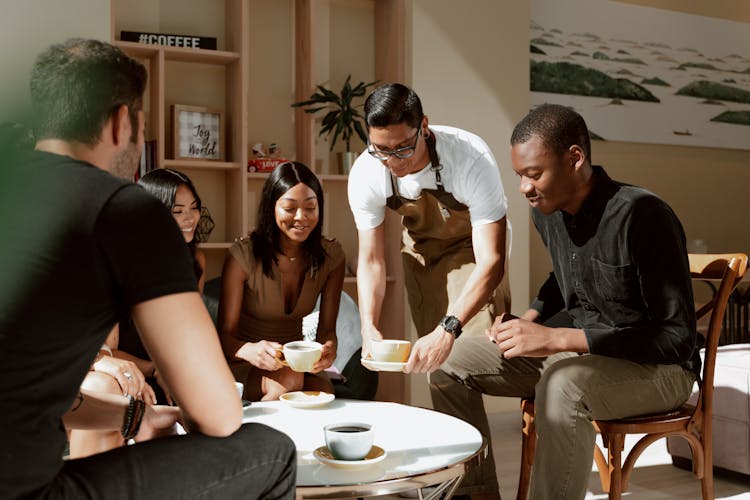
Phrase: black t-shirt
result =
(78, 249)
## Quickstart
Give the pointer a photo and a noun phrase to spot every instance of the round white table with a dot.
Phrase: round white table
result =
(423, 447)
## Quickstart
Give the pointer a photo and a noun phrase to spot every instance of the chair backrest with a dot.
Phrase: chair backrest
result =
(728, 269)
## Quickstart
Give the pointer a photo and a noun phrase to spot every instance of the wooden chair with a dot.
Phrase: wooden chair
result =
(692, 422)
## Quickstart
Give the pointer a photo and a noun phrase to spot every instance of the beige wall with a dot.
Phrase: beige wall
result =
(707, 188)
(470, 67)
(27, 27)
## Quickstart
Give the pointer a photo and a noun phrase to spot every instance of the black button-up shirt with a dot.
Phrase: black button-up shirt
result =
(620, 269)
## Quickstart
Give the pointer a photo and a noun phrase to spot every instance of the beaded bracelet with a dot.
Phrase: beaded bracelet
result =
(133, 417)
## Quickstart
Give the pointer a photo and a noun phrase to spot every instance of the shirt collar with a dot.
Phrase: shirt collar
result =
(592, 208)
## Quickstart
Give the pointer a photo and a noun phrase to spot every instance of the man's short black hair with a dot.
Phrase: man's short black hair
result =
(558, 127)
(393, 104)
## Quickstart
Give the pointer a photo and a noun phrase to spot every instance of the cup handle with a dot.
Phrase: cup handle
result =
(280, 357)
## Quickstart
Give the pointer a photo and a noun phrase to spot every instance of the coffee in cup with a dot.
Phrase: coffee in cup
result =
(301, 355)
(390, 350)
(348, 440)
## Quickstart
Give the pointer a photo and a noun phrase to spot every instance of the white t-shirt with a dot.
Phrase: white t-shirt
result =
(469, 173)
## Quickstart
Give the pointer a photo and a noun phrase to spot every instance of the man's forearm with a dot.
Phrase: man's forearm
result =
(370, 292)
(482, 283)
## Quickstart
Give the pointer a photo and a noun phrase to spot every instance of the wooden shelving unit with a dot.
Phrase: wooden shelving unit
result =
(226, 188)
(221, 184)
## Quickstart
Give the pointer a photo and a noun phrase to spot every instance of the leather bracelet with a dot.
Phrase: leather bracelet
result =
(133, 417)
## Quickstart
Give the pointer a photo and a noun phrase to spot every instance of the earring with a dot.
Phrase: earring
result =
(426, 133)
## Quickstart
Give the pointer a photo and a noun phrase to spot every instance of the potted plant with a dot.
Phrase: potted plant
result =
(343, 119)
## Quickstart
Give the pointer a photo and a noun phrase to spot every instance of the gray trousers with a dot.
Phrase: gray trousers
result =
(569, 390)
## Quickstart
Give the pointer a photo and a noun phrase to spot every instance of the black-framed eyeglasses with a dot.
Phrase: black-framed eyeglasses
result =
(400, 153)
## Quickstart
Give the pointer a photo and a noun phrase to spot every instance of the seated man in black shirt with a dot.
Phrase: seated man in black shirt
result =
(619, 293)
(81, 250)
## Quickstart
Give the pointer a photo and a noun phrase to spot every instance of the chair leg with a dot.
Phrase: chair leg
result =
(528, 446)
(707, 481)
(603, 468)
(615, 443)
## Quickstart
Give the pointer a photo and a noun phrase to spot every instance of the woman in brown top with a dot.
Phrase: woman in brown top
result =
(272, 279)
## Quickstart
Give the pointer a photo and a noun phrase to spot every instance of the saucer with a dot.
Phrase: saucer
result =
(307, 399)
(324, 456)
(382, 366)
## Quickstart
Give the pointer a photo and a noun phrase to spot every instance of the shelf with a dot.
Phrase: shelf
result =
(214, 246)
(322, 177)
(200, 56)
(203, 164)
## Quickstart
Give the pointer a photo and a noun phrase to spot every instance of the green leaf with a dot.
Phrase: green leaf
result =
(360, 131)
(342, 118)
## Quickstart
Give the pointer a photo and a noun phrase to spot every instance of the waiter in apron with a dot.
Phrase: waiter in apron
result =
(445, 184)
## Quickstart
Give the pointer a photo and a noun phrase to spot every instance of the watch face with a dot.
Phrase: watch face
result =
(451, 323)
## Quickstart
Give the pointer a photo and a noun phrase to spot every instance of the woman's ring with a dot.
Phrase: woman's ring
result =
(128, 375)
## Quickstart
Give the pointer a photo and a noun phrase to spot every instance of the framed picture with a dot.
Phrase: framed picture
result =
(198, 133)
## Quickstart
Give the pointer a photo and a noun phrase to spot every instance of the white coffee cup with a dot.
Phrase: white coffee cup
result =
(348, 440)
(301, 355)
(240, 388)
(390, 350)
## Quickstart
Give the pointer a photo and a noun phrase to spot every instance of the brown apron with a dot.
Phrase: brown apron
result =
(438, 256)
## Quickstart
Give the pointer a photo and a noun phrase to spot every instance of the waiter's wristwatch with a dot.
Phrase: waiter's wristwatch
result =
(451, 324)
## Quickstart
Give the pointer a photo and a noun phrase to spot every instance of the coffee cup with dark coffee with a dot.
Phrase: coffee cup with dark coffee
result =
(348, 440)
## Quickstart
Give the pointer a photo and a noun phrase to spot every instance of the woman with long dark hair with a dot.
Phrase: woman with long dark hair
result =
(177, 192)
(271, 280)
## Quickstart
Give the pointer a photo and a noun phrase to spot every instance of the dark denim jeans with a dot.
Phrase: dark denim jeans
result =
(254, 462)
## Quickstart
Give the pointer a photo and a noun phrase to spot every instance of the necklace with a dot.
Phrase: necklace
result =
(290, 259)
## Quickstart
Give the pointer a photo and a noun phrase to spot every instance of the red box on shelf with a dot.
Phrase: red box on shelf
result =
(264, 164)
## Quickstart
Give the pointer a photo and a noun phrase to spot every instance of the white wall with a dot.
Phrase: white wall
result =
(27, 27)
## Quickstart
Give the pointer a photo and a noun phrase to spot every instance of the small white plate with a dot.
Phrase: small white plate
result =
(324, 456)
(307, 399)
(382, 366)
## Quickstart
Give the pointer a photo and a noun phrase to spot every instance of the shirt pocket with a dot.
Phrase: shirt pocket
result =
(619, 291)
(617, 283)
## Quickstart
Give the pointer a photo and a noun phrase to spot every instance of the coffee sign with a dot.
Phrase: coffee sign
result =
(189, 41)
